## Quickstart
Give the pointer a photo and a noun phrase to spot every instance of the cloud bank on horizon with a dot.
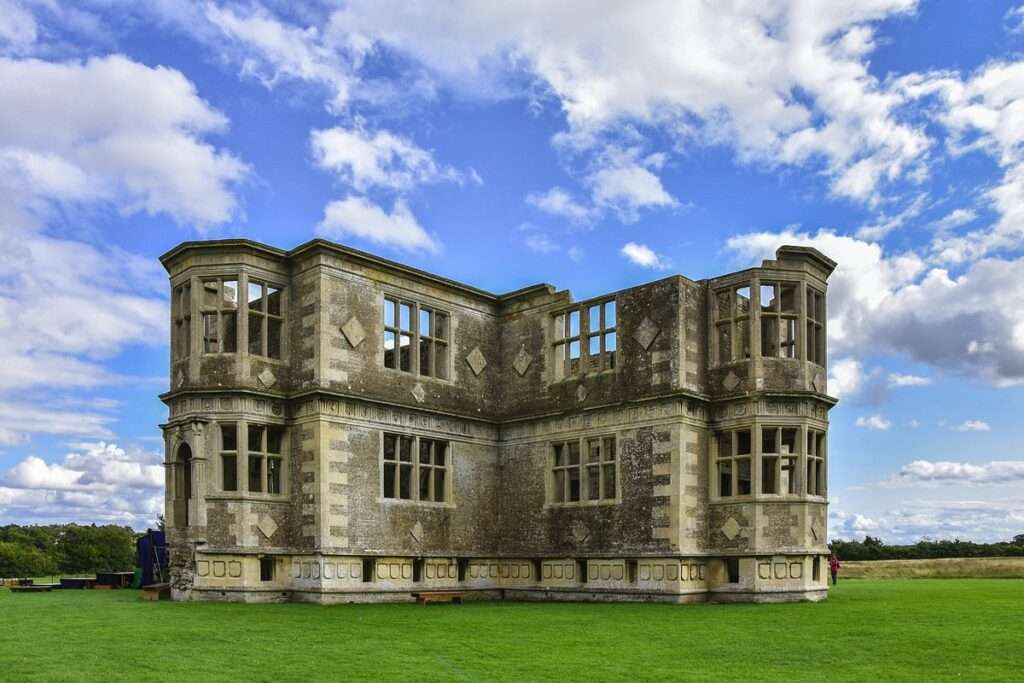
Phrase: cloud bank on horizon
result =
(643, 137)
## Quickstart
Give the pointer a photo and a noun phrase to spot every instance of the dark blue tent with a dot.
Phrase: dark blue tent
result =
(151, 557)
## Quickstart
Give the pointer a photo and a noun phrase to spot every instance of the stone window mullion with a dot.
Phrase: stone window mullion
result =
(414, 353)
(242, 428)
(415, 483)
(243, 314)
(734, 465)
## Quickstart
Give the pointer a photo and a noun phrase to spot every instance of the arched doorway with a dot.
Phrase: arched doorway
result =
(184, 483)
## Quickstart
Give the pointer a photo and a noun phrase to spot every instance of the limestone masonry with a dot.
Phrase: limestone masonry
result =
(346, 428)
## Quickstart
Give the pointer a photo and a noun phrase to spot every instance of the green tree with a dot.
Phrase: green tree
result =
(18, 560)
(87, 549)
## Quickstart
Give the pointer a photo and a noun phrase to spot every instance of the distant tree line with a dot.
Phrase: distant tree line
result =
(65, 549)
(872, 548)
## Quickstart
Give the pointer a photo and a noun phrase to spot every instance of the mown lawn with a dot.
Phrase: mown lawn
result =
(894, 630)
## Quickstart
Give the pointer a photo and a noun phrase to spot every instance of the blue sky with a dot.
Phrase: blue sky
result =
(593, 149)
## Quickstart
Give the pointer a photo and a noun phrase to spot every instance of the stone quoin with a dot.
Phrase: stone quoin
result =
(346, 428)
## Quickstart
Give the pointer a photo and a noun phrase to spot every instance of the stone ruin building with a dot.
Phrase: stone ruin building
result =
(346, 428)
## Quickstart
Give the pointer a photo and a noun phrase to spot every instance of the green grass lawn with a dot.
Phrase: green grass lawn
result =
(913, 630)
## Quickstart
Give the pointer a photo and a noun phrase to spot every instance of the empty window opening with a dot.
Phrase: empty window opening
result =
(815, 326)
(266, 569)
(229, 457)
(182, 312)
(778, 460)
(590, 329)
(417, 569)
(732, 324)
(631, 570)
(265, 320)
(183, 484)
(538, 569)
(816, 569)
(369, 568)
(463, 568)
(219, 303)
(778, 320)
(265, 457)
(815, 479)
(732, 568)
(428, 470)
(581, 569)
(734, 453)
(415, 338)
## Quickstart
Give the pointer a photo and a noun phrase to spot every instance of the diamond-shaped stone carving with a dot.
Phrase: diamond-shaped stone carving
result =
(815, 532)
(419, 393)
(267, 378)
(731, 381)
(353, 331)
(581, 393)
(580, 533)
(731, 528)
(818, 382)
(181, 378)
(522, 361)
(416, 532)
(267, 526)
(646, 333)
(476, 360)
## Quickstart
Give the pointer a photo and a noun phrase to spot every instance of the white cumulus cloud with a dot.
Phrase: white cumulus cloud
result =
(558, 202)
(874, 422)
(897, 379)
(644, 256)
(113, 130)
(273, 51)
(18, 29)
(359, 217)
(845, 377)
(896, 303)
(786, 82)
(378, 160)
(995, 472)
(97, 482)
(628, 189)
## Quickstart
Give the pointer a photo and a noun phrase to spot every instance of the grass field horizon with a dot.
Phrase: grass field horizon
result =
(890, 630)
(947, 567)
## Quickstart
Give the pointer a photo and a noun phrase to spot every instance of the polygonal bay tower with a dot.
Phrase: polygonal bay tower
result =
(347, 428)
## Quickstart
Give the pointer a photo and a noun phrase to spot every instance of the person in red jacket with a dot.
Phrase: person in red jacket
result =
(833, 566)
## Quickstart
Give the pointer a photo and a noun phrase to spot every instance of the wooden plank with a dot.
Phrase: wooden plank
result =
(156, 591)
(425, 597)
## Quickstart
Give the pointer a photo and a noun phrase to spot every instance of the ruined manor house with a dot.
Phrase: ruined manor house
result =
(347, 428)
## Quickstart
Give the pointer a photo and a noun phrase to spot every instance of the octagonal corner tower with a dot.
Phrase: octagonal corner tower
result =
(346, 428)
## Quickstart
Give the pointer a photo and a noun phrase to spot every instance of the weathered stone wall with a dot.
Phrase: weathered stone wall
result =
(651, 359)
(662, 463)
(342, 491)
(376, 526)
(355, 366)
